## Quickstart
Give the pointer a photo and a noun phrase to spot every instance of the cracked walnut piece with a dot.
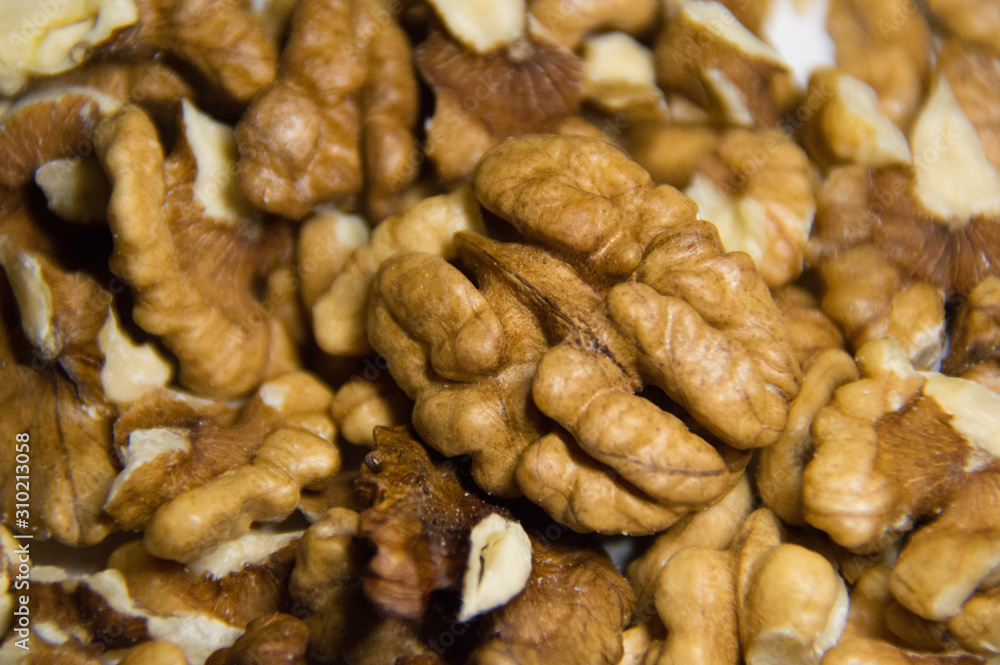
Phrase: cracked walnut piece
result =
(558, 329)
(420, 522)
(195, 479)
(893, 242)
(339, 116)
(191, 249)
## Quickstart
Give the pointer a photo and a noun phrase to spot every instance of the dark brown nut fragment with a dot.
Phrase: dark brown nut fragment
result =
(338, 117)
(894, 242)
(191, 249)
(975, 340)
(888, 46)
(275, 639)
(419, 520)
(224, 42)
(894, 446)
(705, 53)
(325, 579)
(574, 606)
(527, 85)
(561, 317)
(194, 480)
(756, 187)
(570, 21)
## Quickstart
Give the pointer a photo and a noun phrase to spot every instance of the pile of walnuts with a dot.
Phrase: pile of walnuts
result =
(366, 331)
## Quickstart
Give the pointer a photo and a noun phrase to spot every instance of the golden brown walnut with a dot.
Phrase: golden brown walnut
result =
(843, 123)
(893, 447)
(44, 40)
(812, 331)
(781, 465)
(152, 84)
(224, 42)
(339, 314)
(975, 339)
(191, 250)
(706, 54)
(710, 529)
(570, 21)
(558, 328)
(339, 116)
(756, 187)
(888, 46)
(194, 480)
(241, 581)
(530, 85)
(57, 413)
(325, 579)
(763, 598)
(361, 405)
(868, 641)
(574, 603)
(326, 240)
(155, 652)
(976, 21)
(274, 639)
(893, 242)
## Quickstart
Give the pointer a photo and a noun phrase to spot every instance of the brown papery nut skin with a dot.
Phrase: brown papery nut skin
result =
(975, 341)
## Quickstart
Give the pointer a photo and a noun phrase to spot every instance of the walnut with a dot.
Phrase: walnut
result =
(619, 77)
(780, 466)
(498, 566)
(527, 85)
(570, 21)
(893, 447)
(472, 358)
(671, 151)
(9, 564)
(705, 53)
(47, 40)
(362, 405)
(866, 637)
(846, 125)
(339, 116)
(429, 226)
(972, 20)
(976, 83)
(223, 42)
(769, 600)
(62, 384)
(812, 331)
(574, 602)
(193, 481)
(886, 45)
(274, 639)
(326, 240)
(874, 227)
(710, 529)
(327, 566)
(756, 187)
(191, 249)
